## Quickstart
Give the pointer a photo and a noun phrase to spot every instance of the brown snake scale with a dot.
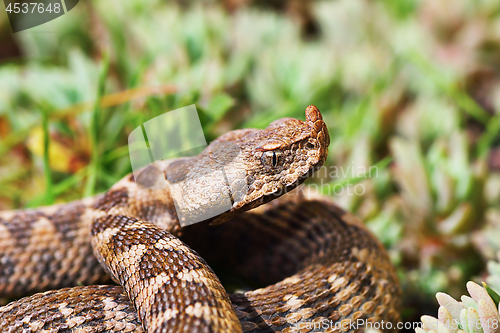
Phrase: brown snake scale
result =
(317, 266)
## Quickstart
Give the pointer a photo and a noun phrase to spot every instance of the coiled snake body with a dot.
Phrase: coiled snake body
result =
(323, 270)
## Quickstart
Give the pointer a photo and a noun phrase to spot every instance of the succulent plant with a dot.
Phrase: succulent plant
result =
(478, 313)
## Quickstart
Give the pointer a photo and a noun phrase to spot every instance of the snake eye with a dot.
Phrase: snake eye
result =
(271, 159)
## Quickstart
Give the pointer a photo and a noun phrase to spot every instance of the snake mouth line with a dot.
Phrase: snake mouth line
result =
(288, 188)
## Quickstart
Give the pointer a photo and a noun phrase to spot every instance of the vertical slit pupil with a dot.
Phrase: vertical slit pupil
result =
(275, 159)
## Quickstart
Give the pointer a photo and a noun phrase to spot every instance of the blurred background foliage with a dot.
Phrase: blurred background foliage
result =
(410, 87)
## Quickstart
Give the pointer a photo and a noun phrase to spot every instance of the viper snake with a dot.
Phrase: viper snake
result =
(317, 268)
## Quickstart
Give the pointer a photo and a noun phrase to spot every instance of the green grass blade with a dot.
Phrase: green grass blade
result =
(49, 195)
(380, 165)
(94, 129)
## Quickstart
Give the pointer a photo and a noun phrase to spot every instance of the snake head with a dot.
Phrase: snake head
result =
(284, 154)
(278, 158)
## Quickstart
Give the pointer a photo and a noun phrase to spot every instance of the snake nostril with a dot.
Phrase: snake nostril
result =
(310, 146)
